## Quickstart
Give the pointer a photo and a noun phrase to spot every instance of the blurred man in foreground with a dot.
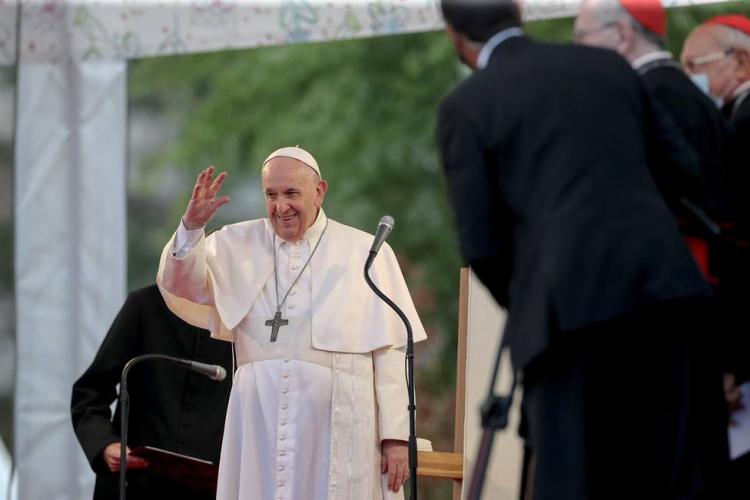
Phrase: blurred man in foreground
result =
(548, 151)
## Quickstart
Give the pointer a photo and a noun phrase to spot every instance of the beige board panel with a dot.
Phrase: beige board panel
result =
(485, 323)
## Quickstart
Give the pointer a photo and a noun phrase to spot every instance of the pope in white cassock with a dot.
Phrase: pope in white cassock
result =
(318, 409)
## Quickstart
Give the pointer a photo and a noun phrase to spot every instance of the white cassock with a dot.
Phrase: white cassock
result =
(308, 412)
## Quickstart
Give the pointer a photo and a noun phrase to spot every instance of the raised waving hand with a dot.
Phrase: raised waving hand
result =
(204, 203)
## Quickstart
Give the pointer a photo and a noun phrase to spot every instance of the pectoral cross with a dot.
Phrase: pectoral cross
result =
(275, 324)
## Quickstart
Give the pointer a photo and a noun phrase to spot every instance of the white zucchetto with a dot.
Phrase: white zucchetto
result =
(297, 153)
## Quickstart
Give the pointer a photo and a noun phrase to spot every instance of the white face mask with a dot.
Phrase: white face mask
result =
(702, 82)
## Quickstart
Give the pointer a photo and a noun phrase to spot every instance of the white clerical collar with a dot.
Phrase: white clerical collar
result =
(492, 43)
(312, 233)
(317, 228)
(657, 55)
(744, 88)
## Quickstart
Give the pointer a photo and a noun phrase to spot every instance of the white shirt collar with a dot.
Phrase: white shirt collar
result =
(743, 88)
(492, 43)
(645, 59)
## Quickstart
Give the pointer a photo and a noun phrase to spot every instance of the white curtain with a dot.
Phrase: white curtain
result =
(70, 213)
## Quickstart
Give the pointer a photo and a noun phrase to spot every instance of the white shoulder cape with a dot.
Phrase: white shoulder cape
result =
(215, 285)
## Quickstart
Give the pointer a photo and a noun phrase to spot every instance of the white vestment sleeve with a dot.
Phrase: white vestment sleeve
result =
(185, 240)
(391, 394)
(186, 276)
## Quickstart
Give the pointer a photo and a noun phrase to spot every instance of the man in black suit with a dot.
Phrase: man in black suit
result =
(170, 407)
(636, 29)
(551, 154)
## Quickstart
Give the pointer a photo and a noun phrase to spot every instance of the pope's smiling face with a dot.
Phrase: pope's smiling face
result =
(294, 194)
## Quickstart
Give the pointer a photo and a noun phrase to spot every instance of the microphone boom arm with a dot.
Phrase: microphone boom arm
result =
(124, 402)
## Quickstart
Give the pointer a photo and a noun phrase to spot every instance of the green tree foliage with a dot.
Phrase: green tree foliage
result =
(365, 108)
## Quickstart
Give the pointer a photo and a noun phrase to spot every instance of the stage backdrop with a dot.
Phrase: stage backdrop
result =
(70, 171)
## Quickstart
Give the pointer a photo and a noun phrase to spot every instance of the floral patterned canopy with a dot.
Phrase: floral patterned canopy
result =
(101, 30)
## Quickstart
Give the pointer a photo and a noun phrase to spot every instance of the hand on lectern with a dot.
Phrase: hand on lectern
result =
(204, 203)
(111, 455)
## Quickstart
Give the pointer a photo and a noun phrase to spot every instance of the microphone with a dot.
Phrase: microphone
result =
(385, 226)
(214, 372)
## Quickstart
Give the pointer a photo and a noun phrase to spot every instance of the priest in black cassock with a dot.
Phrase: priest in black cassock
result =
(170, 407)
(719, 52)
(549, 152)
(637, 29)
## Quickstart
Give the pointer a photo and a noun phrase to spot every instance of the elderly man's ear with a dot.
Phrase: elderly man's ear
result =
(625, 36)
(459, 41)
(743, 62)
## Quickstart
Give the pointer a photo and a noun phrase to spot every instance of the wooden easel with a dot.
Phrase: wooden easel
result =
(479, 315)
(447, 465)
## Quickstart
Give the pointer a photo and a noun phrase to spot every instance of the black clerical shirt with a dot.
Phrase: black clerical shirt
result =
(170, 407)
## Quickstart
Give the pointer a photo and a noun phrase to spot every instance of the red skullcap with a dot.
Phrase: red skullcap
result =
(740, 23)
(649, 13)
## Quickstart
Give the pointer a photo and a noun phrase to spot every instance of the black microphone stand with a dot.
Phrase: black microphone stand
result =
(124, 402)
(409, 377)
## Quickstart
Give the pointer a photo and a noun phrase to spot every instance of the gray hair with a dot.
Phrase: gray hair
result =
(609, 11)
(612, 11)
